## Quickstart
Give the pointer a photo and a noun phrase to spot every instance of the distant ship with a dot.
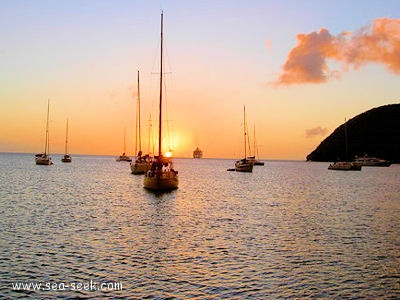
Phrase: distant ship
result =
(344, 166)
(371, 161)
(197, 153)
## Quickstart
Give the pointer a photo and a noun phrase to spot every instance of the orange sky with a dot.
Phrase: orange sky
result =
(298, 79)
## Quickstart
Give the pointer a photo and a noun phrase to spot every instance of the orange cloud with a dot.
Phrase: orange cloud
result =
(268, 43)
(316, 131)
(377, 43)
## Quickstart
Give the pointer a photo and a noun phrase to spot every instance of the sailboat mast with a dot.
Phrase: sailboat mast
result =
(150, 146)
(244, 126)
(161, 81)
(248, 141)
(136, 129)
(46, 146)
(345, 138)
(66, 139)
(254, 137)
(124, 140)
(138, 115)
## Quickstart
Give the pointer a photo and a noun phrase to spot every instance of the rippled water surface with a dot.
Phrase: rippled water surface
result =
(288, 230)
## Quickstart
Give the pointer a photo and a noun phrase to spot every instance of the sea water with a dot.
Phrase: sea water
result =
(290, 229)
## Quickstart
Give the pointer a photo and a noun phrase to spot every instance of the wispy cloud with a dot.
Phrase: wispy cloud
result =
(268, 44)
(316, 131)
(376, 43)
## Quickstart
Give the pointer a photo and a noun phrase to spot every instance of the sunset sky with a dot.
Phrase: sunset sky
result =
(300, 67)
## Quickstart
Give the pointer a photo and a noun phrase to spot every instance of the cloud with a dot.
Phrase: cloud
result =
(316, 131)
(268, 43)
(376, 43)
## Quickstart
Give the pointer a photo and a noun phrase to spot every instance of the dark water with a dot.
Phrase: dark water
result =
(289, 230)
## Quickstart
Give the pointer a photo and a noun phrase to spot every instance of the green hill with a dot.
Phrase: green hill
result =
(375, 132)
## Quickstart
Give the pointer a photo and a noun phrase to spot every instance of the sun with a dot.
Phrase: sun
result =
(168, 153)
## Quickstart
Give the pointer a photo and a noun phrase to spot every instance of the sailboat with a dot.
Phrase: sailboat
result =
(124, 157)
(245, 164)
(161, 176)
(66, 158)
(44, 158)
(345, 165)
(256, 162)
(142, 163)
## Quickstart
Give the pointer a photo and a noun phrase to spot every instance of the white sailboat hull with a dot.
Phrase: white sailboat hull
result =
(161, 181)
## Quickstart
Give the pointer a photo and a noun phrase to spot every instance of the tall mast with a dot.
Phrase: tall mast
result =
(248, 141)
(124, 140)
(244, 126)
(151, 141)
(46, 146)
(138, 113)
(161, 78)
(254, 137)
(66, 139)
(345, 138)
